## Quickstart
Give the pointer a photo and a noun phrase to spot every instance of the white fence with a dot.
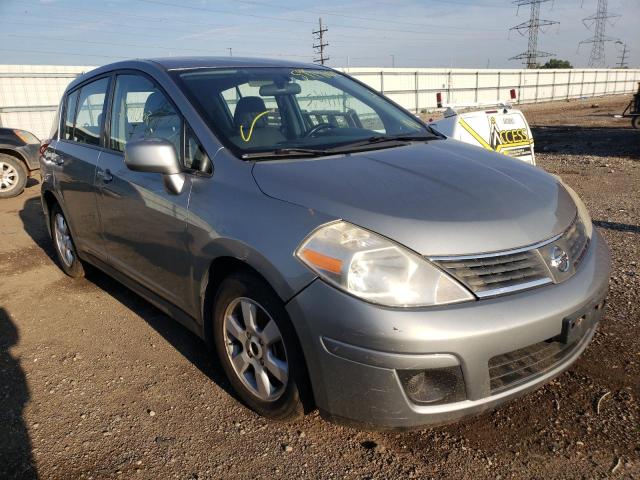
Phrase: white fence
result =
(29, 94)
(416, 89)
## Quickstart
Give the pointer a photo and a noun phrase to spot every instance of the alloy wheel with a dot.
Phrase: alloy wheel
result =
(255, 347)
(8, 177)
(63, 240)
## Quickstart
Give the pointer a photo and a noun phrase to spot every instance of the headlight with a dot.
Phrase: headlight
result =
(376, 269)
(583, 213)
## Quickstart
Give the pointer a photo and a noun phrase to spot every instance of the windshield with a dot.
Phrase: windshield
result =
(261, 110)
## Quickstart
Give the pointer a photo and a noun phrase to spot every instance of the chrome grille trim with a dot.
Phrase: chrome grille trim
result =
(497, 254)
(513, 288)
(499, 273)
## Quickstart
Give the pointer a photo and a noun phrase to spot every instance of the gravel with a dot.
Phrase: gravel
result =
(97, 383)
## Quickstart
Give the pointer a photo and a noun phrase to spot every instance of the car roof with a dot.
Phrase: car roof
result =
(179, 63)
(186, 63)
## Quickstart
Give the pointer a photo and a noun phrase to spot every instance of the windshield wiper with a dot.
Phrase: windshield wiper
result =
(286, 152)
(395, 140)
(400, 138)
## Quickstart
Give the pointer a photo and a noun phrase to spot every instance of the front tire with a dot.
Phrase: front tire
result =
(13, 176)
(63, 244)
(635, 122)
(258, 348)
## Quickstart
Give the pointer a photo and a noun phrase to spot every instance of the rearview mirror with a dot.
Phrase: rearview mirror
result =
(156, 155)
(272, 89)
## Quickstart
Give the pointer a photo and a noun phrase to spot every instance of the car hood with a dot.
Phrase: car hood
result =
(443, 197)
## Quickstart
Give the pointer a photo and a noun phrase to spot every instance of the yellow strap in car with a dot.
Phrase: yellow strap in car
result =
(253, 123)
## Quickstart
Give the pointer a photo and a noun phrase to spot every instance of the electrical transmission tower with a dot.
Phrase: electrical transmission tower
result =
(321, 45)
(599, 22)
(623, 55)
(533, 27)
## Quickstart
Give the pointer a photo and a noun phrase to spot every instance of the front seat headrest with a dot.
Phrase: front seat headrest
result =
(246, 111)
(155, 104)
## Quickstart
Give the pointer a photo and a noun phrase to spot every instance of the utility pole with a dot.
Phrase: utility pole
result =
(623, 55)
(321, 45)
(533, 26)
(599, 22)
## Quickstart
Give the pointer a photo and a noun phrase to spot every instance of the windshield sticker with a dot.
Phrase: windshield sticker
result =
(302, 74)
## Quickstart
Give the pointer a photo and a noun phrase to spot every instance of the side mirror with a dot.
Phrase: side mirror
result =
(156, 155)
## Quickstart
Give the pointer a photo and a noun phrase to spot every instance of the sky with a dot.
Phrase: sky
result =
(377, 33)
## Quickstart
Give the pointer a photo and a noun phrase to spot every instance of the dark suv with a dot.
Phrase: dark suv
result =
(18, 160)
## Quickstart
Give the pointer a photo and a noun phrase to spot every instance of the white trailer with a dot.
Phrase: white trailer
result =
(500, 128)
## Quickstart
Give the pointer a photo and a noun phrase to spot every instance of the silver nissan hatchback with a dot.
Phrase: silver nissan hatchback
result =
(333, 250)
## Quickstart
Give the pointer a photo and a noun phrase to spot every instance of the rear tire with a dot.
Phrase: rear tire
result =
(13, 176)
(635, 122)
(63, 244)
(258, 348)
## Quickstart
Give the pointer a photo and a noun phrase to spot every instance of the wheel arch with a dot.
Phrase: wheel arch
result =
(218, 270)
(222, 267)
(17, 155)
(14, 153)
(49, 199)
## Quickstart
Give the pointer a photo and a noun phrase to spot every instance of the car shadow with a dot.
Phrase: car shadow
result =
(189, 345)
(34, 224)
(592, 141)
(16, 459)
(619, 227)
(183, 340)
(32, 182)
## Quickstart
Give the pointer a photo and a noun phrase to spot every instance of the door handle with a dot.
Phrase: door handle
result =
(106, 175)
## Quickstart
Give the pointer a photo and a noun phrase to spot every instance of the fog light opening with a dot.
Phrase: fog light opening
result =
(433, 386)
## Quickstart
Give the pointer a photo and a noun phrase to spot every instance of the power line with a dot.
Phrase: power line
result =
(384, 20)
(321, 45)
(71, 26)
(623, 55)
(533, 26)
(298, 21)
(159, 20)
(599, 22)
(135, 45)
(57, 52)
(101, 13)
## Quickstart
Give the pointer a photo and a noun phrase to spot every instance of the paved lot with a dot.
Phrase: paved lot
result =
(97, 383)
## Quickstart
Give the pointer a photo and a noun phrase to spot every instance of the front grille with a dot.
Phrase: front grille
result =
(518, 366)
(505, 272)
(494, 274)
(511, 368)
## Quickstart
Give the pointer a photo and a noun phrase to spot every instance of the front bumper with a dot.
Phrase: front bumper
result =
(354, 350)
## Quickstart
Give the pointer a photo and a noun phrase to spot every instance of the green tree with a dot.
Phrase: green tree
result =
(556, 63)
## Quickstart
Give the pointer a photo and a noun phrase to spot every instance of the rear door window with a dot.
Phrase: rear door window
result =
(90, 114)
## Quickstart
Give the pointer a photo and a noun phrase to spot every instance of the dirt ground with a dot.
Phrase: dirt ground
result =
(97, 383)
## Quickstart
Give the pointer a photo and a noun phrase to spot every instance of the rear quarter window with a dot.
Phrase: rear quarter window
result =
(69, 115)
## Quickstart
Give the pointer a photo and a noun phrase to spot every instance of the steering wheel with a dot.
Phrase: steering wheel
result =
(318, 128)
